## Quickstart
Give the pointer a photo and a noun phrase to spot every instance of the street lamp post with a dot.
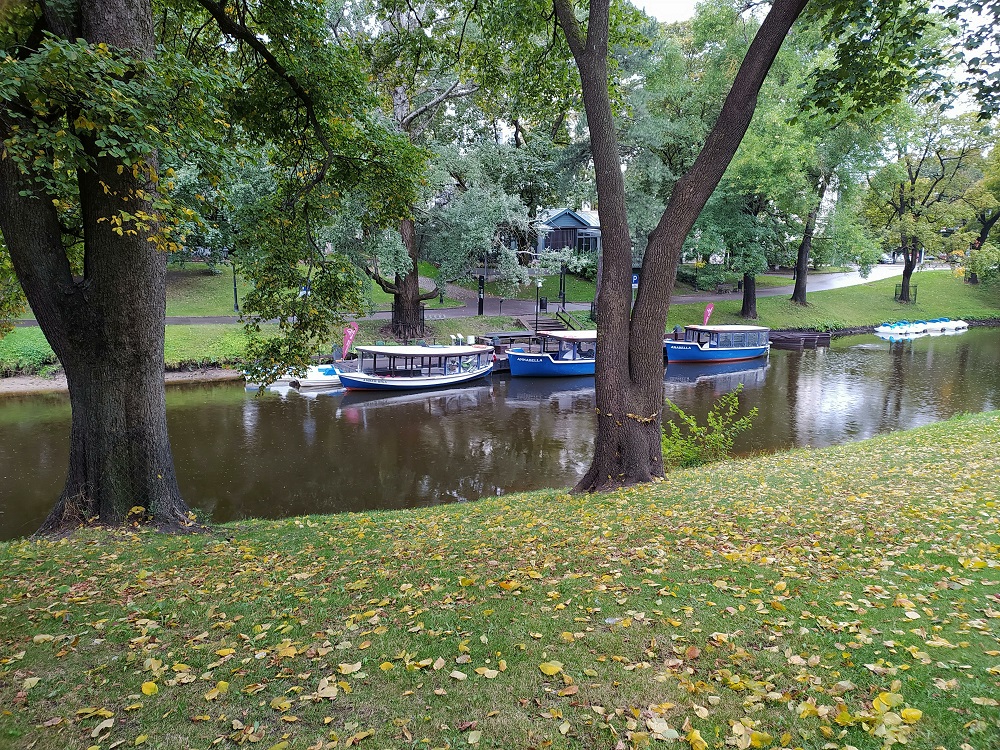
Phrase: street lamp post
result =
(236, 297)
(538, 288)
(562, 286)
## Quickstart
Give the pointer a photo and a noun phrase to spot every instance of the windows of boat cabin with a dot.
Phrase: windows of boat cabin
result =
(726, 340)
(739, 339)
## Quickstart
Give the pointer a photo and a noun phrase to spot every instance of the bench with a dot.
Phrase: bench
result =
(726, 288)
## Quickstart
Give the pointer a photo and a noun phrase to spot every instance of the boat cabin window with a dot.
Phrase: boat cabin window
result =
(726, 340)
(704, 337)
(739, 339)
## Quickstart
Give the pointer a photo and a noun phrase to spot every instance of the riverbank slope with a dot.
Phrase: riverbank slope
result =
(847, 595)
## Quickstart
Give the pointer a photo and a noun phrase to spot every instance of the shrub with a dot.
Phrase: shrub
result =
(687, 443)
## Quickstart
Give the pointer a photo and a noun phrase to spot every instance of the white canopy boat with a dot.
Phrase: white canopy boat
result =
(407, 368)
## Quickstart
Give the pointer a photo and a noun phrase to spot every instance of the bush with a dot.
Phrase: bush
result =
(707, 276)
(690, 444)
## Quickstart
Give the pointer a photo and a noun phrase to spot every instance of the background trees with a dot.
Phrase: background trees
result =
(915, 202)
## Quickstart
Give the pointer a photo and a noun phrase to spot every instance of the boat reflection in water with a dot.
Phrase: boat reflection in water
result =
(354, 405)
(724, 376)
(563, 393)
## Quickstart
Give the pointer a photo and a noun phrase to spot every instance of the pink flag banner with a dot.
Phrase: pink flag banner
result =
(349, 333)
(708, 313)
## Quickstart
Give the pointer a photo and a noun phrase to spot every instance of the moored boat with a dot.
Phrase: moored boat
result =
(574, 356)
(408, 368)
(722, 343)
(316, 376)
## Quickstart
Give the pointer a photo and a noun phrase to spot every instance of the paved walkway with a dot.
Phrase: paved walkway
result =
(521, 307)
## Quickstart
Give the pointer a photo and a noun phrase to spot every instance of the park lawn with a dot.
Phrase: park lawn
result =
(845, 596)
(439, 331)
(25, 350)
(195, 291)
(940, 294)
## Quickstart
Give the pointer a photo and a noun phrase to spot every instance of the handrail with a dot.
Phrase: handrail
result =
(569, 321)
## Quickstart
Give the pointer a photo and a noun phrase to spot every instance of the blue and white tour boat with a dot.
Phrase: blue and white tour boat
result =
(574, 356)
(723, 343)
(408, 368)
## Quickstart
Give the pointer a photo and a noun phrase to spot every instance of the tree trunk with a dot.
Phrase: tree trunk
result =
(107, 327)
(629, 367)
(407, 299)
(911, 252)
(749, 310)
(805, 247)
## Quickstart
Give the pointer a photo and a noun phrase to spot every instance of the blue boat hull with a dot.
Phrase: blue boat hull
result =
(690, 351)
(541, 365)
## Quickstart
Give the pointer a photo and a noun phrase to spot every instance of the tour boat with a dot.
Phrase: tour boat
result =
(725, 343)
(409, 368)
(575, 356)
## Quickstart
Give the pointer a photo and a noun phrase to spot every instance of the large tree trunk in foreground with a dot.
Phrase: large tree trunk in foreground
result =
(107, 327)
(629, 368)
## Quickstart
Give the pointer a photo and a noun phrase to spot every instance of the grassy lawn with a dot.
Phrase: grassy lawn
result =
(940, 294)
(25, 350)
(194, 291)
(835, 598)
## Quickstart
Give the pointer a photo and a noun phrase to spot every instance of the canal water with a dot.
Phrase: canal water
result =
(239, 455)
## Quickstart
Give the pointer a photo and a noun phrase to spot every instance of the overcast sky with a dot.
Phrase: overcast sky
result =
(668, 10)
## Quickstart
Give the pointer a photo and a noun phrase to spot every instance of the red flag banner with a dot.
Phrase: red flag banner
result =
(708, 313)
(349, 333)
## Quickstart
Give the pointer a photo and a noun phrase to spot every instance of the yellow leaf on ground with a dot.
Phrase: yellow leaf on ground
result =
(349, 668)
(150, 688)
(551, 668)
(696, 741)
(911, 715)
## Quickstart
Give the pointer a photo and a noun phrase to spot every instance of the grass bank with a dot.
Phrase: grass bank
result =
(25, 350)
(940, 294)
(844, 597)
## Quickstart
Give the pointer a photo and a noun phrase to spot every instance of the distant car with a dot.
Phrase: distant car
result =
(886, 258)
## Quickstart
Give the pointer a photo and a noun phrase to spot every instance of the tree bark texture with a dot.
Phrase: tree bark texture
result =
(805, 247)
(629, 368)
(407, 299)
(107, 327)
(910, 247)
(749, 309)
